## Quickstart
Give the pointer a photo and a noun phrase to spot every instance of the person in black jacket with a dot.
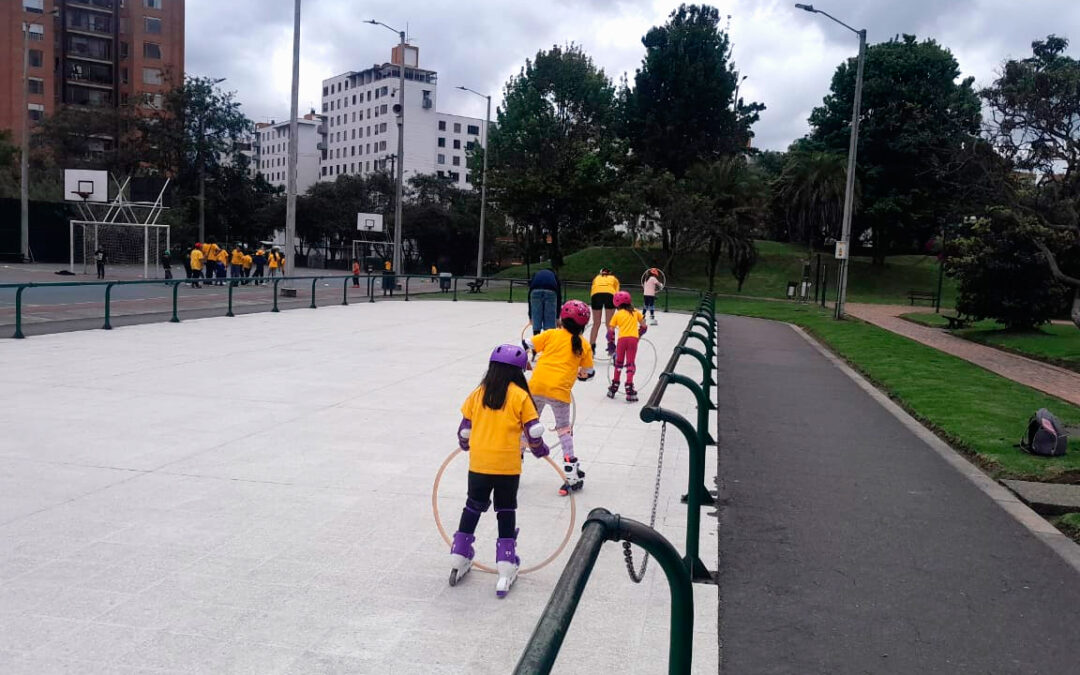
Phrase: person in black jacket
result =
(545, 299)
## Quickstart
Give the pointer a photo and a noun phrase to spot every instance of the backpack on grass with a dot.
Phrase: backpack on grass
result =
(1045, 436)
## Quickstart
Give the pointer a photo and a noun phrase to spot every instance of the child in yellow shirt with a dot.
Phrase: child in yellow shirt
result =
(630, 324)
(564, 358)
(492, 420)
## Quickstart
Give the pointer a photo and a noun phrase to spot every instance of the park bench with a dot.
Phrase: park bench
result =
(474, 286)
(922, 295)
(957, 322)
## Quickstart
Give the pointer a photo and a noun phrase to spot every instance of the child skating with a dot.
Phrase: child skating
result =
(564, 358)
(630, 325)
(651, 288)
(493, 418)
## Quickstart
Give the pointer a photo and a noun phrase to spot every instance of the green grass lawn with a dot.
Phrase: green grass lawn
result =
(778, 264)
(1069, 524)
(1054, 343)
(977, 411)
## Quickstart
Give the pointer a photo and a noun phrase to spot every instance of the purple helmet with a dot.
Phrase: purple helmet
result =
(512, 355)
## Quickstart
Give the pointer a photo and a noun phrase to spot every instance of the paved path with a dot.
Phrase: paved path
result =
(1060, 382)
(849, 546)
(253, 495)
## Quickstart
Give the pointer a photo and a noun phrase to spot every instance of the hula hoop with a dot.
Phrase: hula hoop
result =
(480, 566)
(528, 327)
(611, 364)
(662, 277)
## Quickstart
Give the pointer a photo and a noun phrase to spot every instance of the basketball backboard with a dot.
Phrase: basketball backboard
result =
(82, 185)
(369, 222)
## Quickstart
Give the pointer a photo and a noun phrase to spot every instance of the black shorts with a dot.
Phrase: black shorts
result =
(603, 301)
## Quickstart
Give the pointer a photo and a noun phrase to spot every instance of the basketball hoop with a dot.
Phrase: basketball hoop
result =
(83, 195)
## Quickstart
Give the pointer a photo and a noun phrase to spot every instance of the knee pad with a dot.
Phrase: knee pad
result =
(475, 506)
(498, 511)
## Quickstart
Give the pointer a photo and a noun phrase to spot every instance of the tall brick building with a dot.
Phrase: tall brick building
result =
(87, 53)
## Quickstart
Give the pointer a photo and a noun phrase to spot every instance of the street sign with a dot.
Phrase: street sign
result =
(841, 250)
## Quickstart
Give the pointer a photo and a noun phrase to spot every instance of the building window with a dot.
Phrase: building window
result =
(368, 151)
(441, 174)
(457, 161)
(367, 166)
(35, 85)
(152, 4)
(123, 75)
(442, 125)
(87, 96)
(457, 127)
(468, 178)
(36, 32)
(35, 111)
(455, 176)
(382, 145)
(457, 144)
(383, 127)
(151, 50)
(384, 109)
(123, 50)
(36, 58)
(441, 159)
(152, 76)
(324, 106)
(354, 99)
(37, 6)
(152, 25)
(369, 95)
(354, 151)
(442, 142)
(324, 93)
(473, 129)
(89, 47)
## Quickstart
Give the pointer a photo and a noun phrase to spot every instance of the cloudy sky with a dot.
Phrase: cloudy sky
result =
(787, 54)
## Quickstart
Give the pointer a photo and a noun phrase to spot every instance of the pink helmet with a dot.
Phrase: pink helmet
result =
(576, 311)
(512, 355)
(622, 298)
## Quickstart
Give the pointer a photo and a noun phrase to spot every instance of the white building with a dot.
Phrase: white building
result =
(272, 152)
(361, 128)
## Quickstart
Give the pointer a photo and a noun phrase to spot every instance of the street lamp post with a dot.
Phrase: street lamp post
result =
(24, 160)
(294, 146)
(483, 181)
(849, 189)
(398, 225)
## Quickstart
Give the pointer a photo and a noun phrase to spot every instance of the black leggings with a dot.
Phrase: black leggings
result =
(481, 485)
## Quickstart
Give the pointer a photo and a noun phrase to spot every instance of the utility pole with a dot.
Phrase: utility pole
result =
(24, 160)
(483, 181)
(294, 111)
(853, 146)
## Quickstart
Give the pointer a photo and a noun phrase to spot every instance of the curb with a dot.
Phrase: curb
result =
(1036, 524)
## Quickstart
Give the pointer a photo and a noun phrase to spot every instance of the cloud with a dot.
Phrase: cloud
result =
(788, 55)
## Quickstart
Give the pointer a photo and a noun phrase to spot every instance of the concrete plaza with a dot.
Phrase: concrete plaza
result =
(253, 495)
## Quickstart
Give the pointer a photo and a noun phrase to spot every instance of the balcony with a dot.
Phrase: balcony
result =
(97, 5)
(321, 145)
(322, 128)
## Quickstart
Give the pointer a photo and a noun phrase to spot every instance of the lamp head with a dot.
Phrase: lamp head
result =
(808, 8)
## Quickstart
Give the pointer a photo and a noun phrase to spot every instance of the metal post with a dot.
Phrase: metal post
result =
(401, 158)
(849, 190)
(941, 272)
(108, 294)
(371, 288)
(666, 299)
(175, 290)
(24, 160)
(313, 282)
(18, 313)
(455, 289)
(146, 253)
(406, 288)
(230, 312)
(345, 292)
(71, 245)
(276, 280)
(483, 192)
(511, 298)
(294, 132)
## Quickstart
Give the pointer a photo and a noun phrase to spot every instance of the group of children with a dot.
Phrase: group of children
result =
(501, 418)
(214, 262)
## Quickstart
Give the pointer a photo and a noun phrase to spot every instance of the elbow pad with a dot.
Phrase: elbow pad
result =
(585, 374)
(535, 431)
(610, 334)
(528, 345)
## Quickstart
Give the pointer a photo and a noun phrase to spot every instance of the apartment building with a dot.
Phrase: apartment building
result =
(361, 127)
(271, 151)
(87, 53)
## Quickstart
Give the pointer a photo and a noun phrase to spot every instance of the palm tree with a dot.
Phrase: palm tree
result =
(811, 189)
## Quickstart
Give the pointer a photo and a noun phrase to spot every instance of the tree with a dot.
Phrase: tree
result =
(999, 272)
(810, 190)
(116, 140)
(682, 109)
(553, 150)
(915, 117)
(1034, 122)
(728, 199)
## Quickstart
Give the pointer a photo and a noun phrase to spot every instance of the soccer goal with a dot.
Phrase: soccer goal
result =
(135, 247)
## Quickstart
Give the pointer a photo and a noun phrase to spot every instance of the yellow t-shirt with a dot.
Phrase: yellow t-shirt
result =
(627, 323)
(273, 261)
(210, 251)
(196, 259)
(237, 257)
(495, 444)
(247, 262)
(223, 256)
(605, 283)
(556, 370)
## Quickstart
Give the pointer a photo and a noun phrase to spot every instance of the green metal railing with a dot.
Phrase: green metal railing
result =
(402, 286)
(697, 435)
(602, 526)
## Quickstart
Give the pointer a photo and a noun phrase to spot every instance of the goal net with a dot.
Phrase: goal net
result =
(131, 250)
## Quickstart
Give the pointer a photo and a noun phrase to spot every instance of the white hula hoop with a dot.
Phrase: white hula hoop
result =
(662, 277)
(611, 364)
(480, 566)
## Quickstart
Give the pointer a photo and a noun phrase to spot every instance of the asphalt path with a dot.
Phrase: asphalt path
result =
(848, 545)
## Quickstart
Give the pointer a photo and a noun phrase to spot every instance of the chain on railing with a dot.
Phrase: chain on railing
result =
(628, 554)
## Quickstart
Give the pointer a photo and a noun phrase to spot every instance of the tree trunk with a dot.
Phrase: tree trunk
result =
(1075, 313)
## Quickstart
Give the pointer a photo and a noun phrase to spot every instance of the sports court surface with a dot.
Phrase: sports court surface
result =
(253, 494)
